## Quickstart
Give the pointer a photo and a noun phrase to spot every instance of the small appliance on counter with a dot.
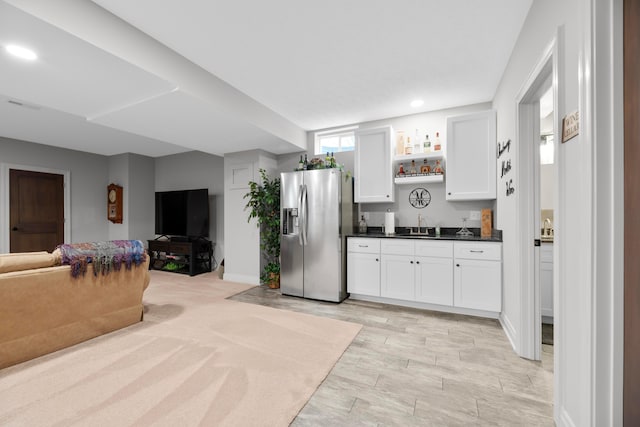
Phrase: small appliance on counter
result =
(389, 222)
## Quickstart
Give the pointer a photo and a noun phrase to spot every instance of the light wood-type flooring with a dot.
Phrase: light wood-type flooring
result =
(410, 367)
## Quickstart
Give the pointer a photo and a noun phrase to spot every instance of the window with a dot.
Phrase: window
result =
(335, 140)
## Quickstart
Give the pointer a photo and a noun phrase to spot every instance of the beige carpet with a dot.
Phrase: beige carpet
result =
(197, 359)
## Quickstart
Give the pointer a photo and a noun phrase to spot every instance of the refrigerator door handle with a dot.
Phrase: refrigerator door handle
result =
(300, 216)
(306, 212)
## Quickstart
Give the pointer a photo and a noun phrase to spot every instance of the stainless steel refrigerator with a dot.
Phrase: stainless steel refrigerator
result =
(317, 212)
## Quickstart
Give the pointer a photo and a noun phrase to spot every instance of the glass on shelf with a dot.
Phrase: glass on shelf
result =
(464, 231)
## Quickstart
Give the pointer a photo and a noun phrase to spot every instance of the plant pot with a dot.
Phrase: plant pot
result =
(274, 280)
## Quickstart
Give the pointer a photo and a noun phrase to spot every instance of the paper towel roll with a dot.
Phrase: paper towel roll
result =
(389, 223)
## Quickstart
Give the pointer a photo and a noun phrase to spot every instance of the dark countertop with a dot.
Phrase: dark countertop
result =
(446, 233)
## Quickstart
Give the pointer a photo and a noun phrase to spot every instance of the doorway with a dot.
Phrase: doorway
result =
(544, 79)
(5, 205)
(36, 211)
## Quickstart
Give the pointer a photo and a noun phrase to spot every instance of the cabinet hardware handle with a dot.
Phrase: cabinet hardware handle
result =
(417, 262)
(14, 229)
(476, 252)
(457, 265)
(387, 195)
(449, 194)
(411, 262)
(363, 246)
(376, 259)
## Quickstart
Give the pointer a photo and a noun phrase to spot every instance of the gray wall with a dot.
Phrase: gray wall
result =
(88, 176)
(194, 170)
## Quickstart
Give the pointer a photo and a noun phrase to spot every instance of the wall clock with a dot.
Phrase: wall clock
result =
(420, 198)
(114, 203)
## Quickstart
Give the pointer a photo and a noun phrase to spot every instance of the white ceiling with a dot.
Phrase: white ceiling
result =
(233, 75)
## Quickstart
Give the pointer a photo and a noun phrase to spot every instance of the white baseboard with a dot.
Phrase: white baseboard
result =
(510, 331)
(241, 278)
(426, 306)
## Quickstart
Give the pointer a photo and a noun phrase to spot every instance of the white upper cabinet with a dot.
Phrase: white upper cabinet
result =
(373, 176)
(471, 156)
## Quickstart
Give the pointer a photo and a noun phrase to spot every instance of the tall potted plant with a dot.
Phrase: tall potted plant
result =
(264, 205)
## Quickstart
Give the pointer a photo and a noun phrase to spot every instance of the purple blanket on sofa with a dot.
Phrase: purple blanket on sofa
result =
(103, 256)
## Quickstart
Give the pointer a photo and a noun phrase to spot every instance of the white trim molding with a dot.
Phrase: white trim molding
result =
(4, 200)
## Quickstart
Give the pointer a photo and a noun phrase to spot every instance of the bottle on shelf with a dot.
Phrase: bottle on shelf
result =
(417, 147)
(408, 148)
(438, 169)
(305, 164)
(401, 170)
(362, 225)
(400, 143)
(300, 163)
(427, 144)
(436, 144)
(425, 168)
(413, 170)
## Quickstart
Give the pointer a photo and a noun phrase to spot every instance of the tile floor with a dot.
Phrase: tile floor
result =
(410, 367)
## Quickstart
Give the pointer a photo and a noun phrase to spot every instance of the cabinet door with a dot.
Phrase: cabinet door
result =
(478, 284)
(363, 273)
(397, 277)
(373, 178)
(434, 280)
(471, 156)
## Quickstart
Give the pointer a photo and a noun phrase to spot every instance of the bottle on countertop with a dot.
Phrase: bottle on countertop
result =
(427, 144)
(305, 164)
(362, 225)
(436, 144)
(300, 163)
(327, 161)
(332, 161)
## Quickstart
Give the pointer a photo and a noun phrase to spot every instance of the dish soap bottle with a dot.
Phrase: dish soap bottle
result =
(362, 225)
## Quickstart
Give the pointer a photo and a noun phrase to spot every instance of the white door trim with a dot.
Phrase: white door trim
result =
(602, 100)
(4, 200)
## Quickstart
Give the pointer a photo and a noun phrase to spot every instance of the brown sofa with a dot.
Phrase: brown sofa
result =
(44, 309)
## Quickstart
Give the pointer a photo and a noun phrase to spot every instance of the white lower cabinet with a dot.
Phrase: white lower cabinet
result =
(546, 280)
(363, 266)
(434, 280)
(467, 275)
(477, 277)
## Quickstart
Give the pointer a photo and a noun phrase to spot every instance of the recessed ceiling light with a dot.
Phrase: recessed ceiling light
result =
(21, 52)
(417, 103)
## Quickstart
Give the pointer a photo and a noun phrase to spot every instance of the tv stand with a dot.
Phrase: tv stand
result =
(181, 256)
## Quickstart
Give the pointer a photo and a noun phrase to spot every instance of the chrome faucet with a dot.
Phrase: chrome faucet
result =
(426, 232)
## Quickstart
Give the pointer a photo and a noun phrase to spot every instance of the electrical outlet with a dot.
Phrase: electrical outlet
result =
(474, 215)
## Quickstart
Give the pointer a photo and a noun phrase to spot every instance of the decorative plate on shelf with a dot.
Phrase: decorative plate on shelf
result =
(420, 198)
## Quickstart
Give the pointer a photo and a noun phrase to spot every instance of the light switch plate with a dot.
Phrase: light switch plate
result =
(474, 215)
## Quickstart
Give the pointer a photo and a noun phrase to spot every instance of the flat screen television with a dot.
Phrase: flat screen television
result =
(183, 213)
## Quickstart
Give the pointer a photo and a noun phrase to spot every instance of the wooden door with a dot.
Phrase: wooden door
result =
(36, 217)
(631, 399)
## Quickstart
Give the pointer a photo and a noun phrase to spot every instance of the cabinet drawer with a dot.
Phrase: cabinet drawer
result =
(366, 245)
(397, 246)
(434, 249)
(478, 250)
